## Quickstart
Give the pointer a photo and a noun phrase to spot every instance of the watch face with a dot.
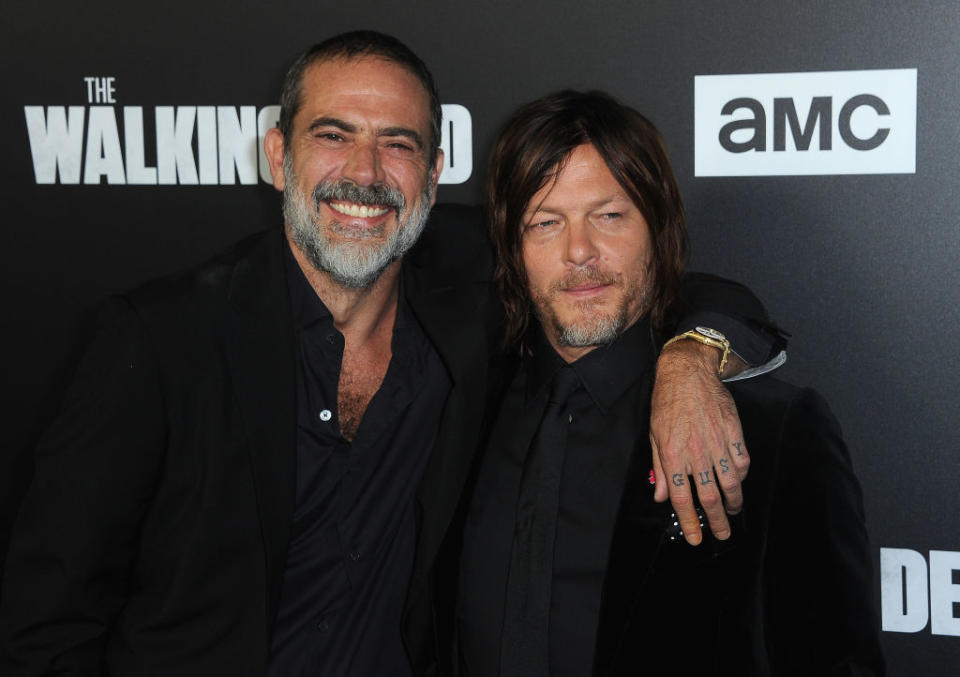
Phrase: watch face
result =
(711, 333)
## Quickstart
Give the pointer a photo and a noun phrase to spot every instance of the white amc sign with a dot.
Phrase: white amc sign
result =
(832, 122)
(906, 601)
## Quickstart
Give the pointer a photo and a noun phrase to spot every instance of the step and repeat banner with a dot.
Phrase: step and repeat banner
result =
(817, 145)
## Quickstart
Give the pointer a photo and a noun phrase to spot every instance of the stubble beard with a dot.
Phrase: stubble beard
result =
(592, 326)
(357, 261)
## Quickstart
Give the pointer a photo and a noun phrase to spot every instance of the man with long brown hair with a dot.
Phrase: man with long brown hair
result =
(569, 566)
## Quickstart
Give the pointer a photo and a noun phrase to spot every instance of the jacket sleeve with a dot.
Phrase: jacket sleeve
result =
(821, 610)
(734, 310)
(73, 548)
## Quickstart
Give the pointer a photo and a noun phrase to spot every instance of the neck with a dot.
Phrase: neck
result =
(359, 314)
(570, 354)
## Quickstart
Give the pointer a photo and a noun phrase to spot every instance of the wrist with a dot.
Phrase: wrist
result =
(711, 338)
(688, 355)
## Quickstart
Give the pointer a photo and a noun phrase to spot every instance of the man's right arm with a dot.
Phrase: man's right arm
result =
(74, 545)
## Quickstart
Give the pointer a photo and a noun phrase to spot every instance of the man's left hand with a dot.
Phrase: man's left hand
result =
(696, 437)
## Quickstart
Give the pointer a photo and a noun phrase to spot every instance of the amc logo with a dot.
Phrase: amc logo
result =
(835, 122)
(907, 602)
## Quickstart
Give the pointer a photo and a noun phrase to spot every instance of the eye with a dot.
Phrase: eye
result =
(401, 145)
(540, 228)
(543, 225)
(329, 136)
(611, 216)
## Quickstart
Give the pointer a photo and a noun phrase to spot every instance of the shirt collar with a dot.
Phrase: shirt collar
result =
(306, 305)
(605, 372)
(308, 308)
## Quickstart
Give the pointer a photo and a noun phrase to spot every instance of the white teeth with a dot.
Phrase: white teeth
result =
(353, 209)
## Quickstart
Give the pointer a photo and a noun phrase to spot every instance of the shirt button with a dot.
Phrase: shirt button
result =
(570, 418)
(331, 339)
(323, 625)
(354, 555)
(325, 415)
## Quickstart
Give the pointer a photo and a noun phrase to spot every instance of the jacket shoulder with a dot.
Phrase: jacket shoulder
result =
(454, 246)
(208, 284)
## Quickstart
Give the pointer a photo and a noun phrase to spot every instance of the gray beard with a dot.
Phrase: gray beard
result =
(602, 331)
(593, 328)
(353, 264)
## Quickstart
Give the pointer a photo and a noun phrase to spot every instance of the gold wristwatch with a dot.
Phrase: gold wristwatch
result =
(710, 337)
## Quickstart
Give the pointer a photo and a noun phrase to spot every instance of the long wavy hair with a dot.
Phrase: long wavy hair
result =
(532, 148)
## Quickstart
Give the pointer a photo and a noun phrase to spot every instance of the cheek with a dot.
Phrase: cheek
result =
(633, 256)
(408, 175)
(534, 263)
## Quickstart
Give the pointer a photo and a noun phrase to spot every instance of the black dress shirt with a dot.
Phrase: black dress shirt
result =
(607, 424)
(353, 536)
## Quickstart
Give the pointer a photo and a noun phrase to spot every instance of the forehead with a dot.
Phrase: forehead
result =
(583, 181)
(365, 85)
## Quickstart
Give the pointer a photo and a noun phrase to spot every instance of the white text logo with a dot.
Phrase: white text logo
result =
(187, 145)
(834, 122)
(906, 600)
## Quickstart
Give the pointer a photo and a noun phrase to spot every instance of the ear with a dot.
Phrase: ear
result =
(435, 175)
(273, 148)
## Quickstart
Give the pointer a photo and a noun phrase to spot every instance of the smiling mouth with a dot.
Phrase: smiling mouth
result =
(358, 210)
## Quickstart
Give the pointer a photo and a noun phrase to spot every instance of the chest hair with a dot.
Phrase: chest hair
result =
(361, 375)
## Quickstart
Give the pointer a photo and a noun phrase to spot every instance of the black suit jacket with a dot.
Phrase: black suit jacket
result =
(154, 537)
(790, 593)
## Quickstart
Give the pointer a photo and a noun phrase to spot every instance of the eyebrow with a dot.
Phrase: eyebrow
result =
(596, 204)
(350, 128)
(404, 132)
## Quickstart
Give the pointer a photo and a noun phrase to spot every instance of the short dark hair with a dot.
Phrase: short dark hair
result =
(352, 45)
(532, 148)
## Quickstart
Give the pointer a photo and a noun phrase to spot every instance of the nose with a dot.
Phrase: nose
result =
(362, 166)
(581, 248)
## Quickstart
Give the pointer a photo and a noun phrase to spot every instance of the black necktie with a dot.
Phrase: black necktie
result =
(524, 644)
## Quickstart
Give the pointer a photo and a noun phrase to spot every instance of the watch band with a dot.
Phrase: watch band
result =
(709, 337)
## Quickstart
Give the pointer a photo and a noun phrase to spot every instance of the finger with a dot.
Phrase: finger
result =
(734, 433)
(675, 476)
(661, 490)
(710, 500)
(682, 501)
(739, 456)
(729, 481)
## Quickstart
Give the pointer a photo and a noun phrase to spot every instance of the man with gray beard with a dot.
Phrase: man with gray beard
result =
(257, 469)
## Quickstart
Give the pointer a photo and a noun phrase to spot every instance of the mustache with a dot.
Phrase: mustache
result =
(586, 275)
(378, 194)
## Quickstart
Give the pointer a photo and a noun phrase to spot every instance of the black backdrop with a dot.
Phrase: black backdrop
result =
(861, 267)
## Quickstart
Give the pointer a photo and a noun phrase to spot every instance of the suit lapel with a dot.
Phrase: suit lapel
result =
(260, 351)
(452, 318)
